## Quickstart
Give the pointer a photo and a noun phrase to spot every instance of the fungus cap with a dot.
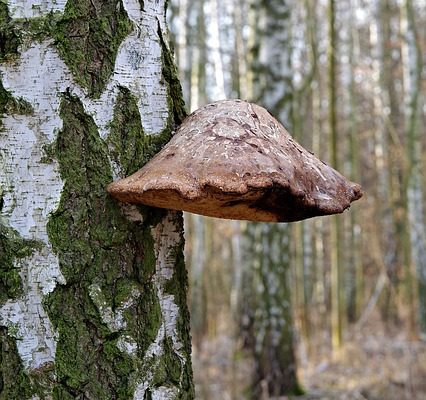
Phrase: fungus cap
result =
(232, 159)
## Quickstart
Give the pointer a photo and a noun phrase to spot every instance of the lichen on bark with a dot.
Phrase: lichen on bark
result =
(9, 43)
(15, 383)
(177, 286)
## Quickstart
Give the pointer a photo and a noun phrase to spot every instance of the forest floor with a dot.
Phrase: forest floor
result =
(375, 363)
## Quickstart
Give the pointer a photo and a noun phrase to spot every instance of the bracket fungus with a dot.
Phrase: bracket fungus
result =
(232, 159)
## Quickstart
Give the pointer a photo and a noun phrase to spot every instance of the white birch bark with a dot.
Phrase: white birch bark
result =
(32, 191)
(34, 8)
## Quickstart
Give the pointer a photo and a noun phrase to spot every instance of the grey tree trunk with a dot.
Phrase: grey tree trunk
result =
(272, 333)
(92, 292)
(268, 246)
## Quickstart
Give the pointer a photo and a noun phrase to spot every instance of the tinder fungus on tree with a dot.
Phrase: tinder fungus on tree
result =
(232, 159)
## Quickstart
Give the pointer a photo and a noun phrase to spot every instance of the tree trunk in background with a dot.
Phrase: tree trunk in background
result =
(241, 75)
(196, 266)
(302, 234)
(213, 41)
(199, 61)
(415, 179)
(92, 292)
(268, 249)
(356, 285)
(336, 275)
(319, 314)
(181, 27)
(272, 336)
(389, 167)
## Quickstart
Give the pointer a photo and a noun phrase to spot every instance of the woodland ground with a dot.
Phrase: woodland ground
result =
(375, 363)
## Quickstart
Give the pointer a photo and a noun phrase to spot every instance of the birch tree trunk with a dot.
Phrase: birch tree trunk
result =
(92, 293)
(273, 349)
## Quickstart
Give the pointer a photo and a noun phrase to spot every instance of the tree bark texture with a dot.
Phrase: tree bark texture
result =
(92, 292)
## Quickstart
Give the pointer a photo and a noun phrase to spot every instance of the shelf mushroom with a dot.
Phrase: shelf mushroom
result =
(232, 159)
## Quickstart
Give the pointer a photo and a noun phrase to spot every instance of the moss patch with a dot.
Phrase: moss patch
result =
(11, 105)
(129, 146)
(14, 383)
(9, 38)
(88, 37)
(12, 246)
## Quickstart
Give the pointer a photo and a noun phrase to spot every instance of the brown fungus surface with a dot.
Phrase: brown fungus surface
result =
(232, 159)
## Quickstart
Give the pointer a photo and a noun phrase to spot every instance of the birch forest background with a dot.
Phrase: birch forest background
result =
(331, 307)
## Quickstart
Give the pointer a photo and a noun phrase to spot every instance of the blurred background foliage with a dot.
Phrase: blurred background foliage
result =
(332, 306)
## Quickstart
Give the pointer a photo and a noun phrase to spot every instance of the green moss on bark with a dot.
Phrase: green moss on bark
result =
(10, 281)
(88, 37)
(14, 382)
(129, 146)
(11, 105)
(9, 38)
(12, 246)
(14, 33)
